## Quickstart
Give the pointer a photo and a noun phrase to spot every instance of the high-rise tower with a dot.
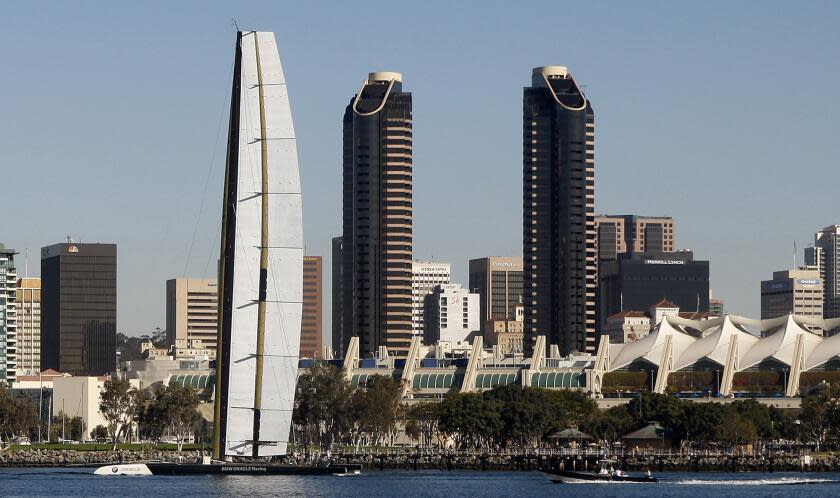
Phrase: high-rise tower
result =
(558, 211)
(337, 262)
(825, 257)
(79, 308)
(8, 315)
(312, 325)
(377, 238)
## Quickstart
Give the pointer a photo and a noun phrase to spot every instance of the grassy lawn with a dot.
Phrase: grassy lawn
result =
(106, 447)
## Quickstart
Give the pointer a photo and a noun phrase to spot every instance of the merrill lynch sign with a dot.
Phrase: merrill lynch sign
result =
(664, 262)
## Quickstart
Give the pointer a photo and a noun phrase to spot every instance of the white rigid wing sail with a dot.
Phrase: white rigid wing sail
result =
(261, 270)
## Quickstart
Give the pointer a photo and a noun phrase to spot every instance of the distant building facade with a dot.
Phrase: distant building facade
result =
(312, 324)
(507, 335)
(189, 358)
(825, 256)
(8, 315)
(28, 297)
(378, 215)
(79, 308)
(338, 341)
(452, 314)
(627, 326)
(79, 396)
(637, 281)
(498, 282)
(661, 309)
(558, 237)
(799, 292)
(192, 311)
(425, 276)
(619, 234)
(717, 306)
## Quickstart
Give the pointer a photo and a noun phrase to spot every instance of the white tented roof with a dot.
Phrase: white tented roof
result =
(779, 342)
(651, 346)
(828, 349)
(715, 345)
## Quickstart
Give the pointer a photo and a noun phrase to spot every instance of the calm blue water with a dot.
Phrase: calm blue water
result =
(80, 482)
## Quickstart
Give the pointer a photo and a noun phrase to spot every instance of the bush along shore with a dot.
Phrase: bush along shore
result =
(828, 462)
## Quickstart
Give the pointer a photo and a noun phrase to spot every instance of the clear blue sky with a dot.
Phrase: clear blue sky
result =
(720, 114)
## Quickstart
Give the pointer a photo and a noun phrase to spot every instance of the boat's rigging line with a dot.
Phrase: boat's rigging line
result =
(210, 170)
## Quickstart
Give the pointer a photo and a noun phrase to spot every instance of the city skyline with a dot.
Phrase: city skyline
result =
(662, 151)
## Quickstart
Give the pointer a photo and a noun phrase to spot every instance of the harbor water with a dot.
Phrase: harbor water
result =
(453, 484)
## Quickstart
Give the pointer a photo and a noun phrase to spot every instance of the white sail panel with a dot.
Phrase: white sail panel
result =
(283, 297)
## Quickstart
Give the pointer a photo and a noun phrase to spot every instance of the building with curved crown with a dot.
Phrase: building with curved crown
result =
(377, 216)
(558, 211)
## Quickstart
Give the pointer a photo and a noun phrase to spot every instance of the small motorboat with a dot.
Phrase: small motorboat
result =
(605, 474)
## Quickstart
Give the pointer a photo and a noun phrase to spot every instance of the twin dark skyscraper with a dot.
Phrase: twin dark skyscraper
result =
(372, 259)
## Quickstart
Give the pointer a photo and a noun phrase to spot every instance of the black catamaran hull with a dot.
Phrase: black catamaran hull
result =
(189, 469)
(249, 469)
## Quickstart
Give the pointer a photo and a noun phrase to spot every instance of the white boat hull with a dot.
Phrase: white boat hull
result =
(132, 469)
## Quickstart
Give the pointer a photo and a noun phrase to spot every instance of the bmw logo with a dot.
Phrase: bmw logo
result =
(115, 469)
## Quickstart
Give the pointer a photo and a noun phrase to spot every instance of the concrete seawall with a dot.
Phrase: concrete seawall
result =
(485, 462)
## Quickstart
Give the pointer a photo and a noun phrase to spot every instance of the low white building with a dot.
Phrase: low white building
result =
(452, 315)
(662, 309)
(425, 276)
(80, 397)
(627, 326)
(159, 365)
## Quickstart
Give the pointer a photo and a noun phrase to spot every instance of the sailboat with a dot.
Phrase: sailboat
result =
(261, 279)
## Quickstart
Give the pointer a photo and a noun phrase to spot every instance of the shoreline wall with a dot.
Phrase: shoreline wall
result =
(673, 463)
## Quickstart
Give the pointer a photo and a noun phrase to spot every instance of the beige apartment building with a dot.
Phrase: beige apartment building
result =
(28, 297)
(311, 327)
(508, 335)
(792, 291)
(498, 282)
(619, 234)
(192, 311)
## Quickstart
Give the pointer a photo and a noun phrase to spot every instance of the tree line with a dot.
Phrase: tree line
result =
(329, 411)
(170, 410)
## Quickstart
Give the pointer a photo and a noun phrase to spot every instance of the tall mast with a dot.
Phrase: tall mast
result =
(226, 253)
(263, 256)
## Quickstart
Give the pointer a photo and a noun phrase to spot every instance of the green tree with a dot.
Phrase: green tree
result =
(99, 433)
(18, 416)
(425, 417)
(653, 407)
(471, 420)
(376, 407)
(820, 414)
(762, 417)
(737, 430)
(175, 407)
(610, 424)
(322, 405)
(120, 405)
(72, 428)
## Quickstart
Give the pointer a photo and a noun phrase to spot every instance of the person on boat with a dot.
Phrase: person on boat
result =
(647, 473)
(604, 471)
